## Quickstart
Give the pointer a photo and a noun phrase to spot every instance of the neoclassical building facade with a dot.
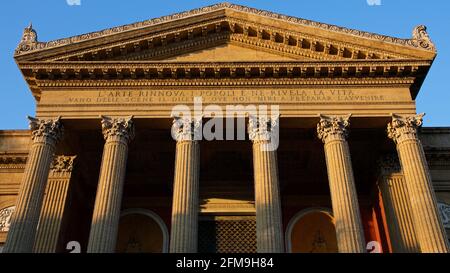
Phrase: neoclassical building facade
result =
(118, 159)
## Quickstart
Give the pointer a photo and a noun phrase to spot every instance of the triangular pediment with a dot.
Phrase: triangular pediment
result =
(203, 31)
(225, 52)
(231, 53)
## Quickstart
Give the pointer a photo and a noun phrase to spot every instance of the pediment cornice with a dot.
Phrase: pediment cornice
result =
(165, 36)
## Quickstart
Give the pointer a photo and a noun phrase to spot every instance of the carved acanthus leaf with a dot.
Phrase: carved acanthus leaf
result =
(262, 128)
(118, 127)
(186, 128)
(62, 163)
(404, 127)
(333, 127)
(46, 129)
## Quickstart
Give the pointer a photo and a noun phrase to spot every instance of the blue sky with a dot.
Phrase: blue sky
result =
(55, 19)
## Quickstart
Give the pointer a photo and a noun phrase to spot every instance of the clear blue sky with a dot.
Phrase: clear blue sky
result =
(55, 19)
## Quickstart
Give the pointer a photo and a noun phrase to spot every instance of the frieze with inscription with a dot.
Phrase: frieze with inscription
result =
(224, 96)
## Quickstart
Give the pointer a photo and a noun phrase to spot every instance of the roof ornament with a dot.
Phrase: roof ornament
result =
(421, 38)
(29, 40)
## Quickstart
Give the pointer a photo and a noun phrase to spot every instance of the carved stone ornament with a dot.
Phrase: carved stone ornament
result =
(5, 218)
(46, 129)
(419, 40)
(29, 40)
(12, 161)
(444, 210)
(186, 129)
(118, 127)
(389, 164)
(62, 163)
(262, 128)
(404, 127)
(333, 127)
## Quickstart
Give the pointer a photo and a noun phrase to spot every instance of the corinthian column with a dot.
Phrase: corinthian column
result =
(118, 132)
(263, 132)
(429, 229)
(397, 206)
(54, 204)
(333, 132)
(185, 204)
(44, 134)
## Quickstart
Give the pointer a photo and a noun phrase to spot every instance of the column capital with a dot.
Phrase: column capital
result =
(114, 128)
(46, 130)
(62, 163)
(262, 128)
(186, 128)
(389, 164)
(402, 128)
(333, 127)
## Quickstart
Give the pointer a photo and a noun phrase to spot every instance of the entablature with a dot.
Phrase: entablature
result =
(123, 73)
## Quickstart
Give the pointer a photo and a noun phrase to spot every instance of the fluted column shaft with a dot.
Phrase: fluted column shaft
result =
(105, 221)
(52, 212)
(185, 204)
(427, 223)
(397, 209)
(45, 135)
(333, 132)
(269, 228)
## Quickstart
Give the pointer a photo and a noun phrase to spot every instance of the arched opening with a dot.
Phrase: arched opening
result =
(312, 231)
(141, 231)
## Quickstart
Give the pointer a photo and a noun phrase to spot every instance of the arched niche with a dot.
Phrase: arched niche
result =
(312, 231)
(142, 231)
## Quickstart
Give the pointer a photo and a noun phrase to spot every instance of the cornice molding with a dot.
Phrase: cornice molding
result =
(169, 83)
(438, 159)
(409, 73)
(9, 161)
(420, 39)
(293, 44)
(188, 70)
(168, 64)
